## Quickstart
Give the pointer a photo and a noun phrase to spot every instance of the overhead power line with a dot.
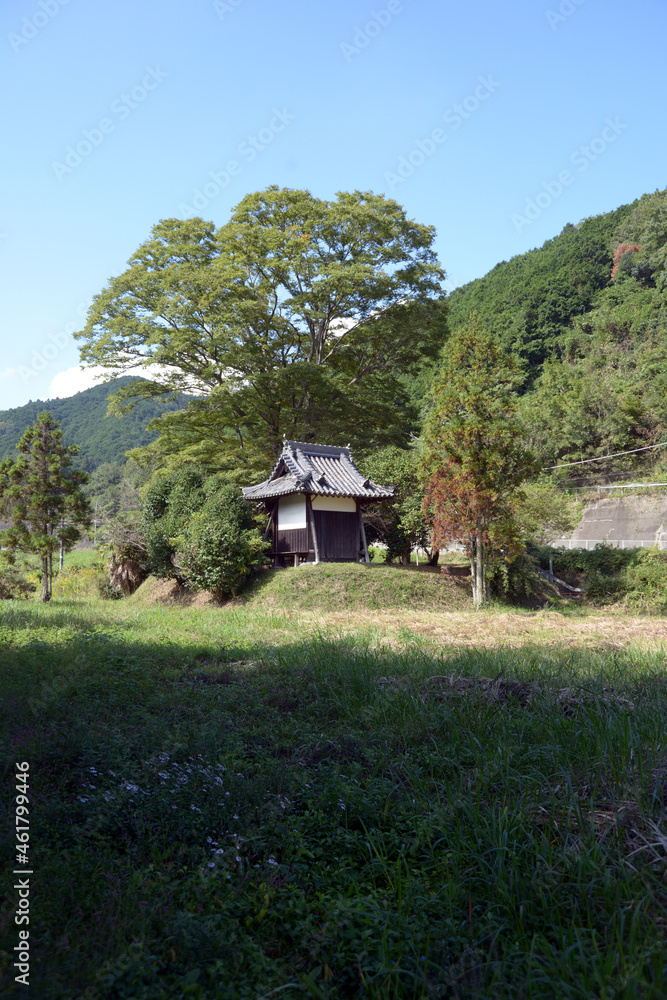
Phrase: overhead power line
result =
(591, 481)
(596, 486)
(602, 458)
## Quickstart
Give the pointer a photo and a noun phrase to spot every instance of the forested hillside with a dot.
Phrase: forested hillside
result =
(84, 422)
(587, 314)
(529, 300)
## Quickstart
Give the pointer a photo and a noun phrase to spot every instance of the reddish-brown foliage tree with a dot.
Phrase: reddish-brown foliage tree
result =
(620, 251)
(474, 459)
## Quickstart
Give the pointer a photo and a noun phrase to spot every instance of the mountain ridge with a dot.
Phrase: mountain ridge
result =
(84, 421)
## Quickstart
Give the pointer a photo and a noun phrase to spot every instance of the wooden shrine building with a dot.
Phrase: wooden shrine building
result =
(314, 499)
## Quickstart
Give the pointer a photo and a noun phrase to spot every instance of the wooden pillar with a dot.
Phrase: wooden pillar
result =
(362, 532)
(274, 545)
(311, 520)
(268, 526)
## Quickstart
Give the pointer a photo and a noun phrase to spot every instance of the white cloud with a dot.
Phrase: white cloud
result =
(74, 380)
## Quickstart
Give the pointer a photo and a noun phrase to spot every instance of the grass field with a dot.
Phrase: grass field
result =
(302, 800)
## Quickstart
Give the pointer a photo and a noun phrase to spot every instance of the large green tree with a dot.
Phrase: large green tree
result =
(474, 458)
(299, 317)
(41, 496)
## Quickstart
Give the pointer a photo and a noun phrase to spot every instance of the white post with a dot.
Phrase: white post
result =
(362, 533)
(62, 547)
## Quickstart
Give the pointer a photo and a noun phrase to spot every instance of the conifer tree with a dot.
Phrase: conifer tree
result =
(474, 458)
(41, 496)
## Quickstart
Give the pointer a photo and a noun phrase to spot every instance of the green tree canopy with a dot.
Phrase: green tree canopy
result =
(41, 496)
(474, 457)
(298, 317)
(646, 226)
(607, 392)
(400, 523)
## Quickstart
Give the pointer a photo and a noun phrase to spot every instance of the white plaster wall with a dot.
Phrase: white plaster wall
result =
(346, 504)
(292, 512)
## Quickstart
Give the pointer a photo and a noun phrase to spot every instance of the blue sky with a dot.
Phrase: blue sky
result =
(495, 123)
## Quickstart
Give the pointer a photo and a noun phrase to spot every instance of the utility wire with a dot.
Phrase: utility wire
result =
(595, 486)
(602, 458)
(590, 481)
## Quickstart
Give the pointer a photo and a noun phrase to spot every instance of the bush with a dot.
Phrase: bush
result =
(600, 571)
(646, 579)
(516, 580)
(13, 581)
(639, 576)
(78, 581)
(200, 531)
(168, 503)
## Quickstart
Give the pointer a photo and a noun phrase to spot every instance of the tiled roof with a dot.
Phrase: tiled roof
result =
(319, 469)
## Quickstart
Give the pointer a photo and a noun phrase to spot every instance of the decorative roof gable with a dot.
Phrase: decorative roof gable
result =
(319, 469)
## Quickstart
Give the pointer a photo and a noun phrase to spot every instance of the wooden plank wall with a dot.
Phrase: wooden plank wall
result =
(293, 540)
(337, 535)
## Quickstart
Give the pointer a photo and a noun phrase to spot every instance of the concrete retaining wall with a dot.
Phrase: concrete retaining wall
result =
(627, 523)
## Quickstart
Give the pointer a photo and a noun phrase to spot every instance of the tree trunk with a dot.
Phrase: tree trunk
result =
(473, 579)
(45, 579)
(433, 557)
(405, 557)
(479, 567)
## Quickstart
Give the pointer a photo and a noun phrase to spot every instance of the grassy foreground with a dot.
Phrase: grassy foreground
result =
(224, 804)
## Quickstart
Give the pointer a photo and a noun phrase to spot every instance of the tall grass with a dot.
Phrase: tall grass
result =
(223, 806)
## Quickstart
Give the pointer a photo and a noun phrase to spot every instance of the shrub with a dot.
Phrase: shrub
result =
(200, 531)
(78, 581)
(220, 546)
(639, 576)
(515, 580)
(14, 583)
(646, 579)
(600, 571)
(168, 503)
